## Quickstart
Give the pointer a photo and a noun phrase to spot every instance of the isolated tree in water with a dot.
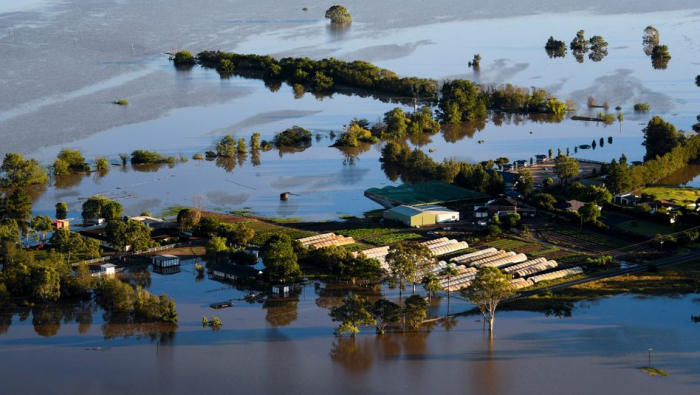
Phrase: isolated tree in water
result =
(489, 288)
(338, 15)
(385, 312)
(409, 261)
(354, 312)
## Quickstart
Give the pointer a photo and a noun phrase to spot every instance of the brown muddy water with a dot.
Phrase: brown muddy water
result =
(287, 345)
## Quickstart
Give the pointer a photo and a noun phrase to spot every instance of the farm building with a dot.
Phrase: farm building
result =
(433, 192)
(61, 224)
(108, 269)
(281, 289)
(421, 215)
(165, 261)
(503, 206)
(233, 272)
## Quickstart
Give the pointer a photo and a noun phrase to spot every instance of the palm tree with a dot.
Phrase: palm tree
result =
(449, 271)
(431, 284)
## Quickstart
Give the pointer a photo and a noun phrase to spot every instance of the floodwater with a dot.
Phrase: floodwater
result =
(283, 344)
(64, 62)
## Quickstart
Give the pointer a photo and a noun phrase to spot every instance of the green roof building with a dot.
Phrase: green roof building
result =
(433, 192)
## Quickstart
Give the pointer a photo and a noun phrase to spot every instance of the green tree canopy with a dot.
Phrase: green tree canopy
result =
(184, 58)
(19, 172)
(415, 310)
(353, 313)
(61, 210)
(338, 15)
(134, 234)
(296, 136)
(489, 288)
(589, 212)
(216, 245)
(660, 138)
(385, 313)
(74, 159)
(409, 261)
(101, 207)
(566, 168)
(17, 206)
(280, 260)
(526, 182)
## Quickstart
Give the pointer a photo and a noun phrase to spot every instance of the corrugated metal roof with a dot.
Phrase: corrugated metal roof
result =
(405, 210)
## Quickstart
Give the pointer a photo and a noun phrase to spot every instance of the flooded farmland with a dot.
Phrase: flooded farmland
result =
(288, 342)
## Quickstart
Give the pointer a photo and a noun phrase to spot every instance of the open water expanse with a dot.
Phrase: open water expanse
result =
(64, 62)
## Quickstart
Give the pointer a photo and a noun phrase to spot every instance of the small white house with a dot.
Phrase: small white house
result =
(281, 289)
(107, 269)
(165, 261)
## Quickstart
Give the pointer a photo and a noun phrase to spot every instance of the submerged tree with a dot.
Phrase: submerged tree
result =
(409, 261)
(338, 15)
(555, 48)
(415, 310)
(353, 313)
(660, 57)
(385, 313)
(19, 172)
(650, 39)
(488, 289)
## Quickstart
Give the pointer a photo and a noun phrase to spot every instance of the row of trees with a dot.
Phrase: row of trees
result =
(488, 289)
(357, 311)
(461, 100)
(324, 75)
(667, 151)
(119, 297)
(399, 160)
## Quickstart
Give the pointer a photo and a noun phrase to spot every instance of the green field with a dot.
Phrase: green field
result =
(264, 231)
(589, 237)
(378, 235)
(508, 244)
(645, 228)
(677, 195)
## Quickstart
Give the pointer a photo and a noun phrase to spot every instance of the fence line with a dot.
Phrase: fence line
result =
(154, 249)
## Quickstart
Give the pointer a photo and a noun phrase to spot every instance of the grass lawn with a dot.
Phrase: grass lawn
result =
(645, 228)
(508, 244)
(678, 195)
(378, 235)
(264, 231)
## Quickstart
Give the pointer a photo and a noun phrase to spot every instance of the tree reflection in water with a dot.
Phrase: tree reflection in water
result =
(457, 132)
(227, 164)
(255, 158)
(351, 154)
(281, 311)
(290, 150)
(123, 326)
(359, 354)
(46, 318)
(5, 322)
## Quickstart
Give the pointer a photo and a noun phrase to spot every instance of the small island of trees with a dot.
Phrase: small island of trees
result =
(339, 15)
(660, 57)
(555, 48)
(296, 136)
(184, 58)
